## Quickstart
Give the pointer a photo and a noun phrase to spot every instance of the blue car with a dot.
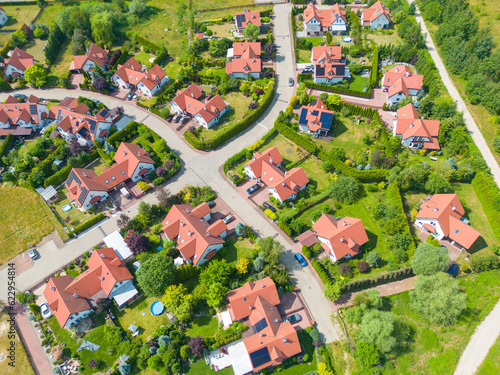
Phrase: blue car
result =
(253, 188)
(300, 259)
(453, 271)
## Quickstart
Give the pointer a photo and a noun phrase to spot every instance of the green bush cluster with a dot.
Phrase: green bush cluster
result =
(486, 191)
(122, 59)
(123, 135)
(108, 159)
(283, 224)
(373, 77)
(320, 270)
(233, 130)
(186, 272)
(60, 176)
(6, 145)
(146, 43)
(394, 196)
(226, 336)
(339, 90)
(304, 77)
(86, 225)
(360, 284)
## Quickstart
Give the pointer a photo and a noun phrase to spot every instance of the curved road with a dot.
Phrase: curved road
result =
(200, 168)
(486, 333)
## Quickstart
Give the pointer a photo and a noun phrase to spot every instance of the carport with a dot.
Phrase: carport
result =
(239, 358)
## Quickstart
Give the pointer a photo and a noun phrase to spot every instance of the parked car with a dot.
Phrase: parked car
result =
(302, 261)
(169, 118)
(135, 97)
(253, 188)
(307, 71)
(228, 219)
(185, 120)
(33, 254)
(20, 96)
(45, 311)
(453, 270)
(211, 204)
(290, 82)
(293, 318)
(176, 118)
(130, 95)
(269, 205)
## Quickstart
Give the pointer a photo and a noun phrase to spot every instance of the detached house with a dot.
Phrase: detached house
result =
(315, 118)
(206, 112)
(245, 61)
(17, 63)
(414, 132)
(339, 237)
(442, 216)
(329, 66)
(132, 75)
(3, 17)
(95, 56)
(269, 340)
(241, 20)
(400, 83)
(197, 240)
(72, 300)
(86, 188)
(21, 119)
(318, 21)
(281, 185)
(375, 17)
(74, 122)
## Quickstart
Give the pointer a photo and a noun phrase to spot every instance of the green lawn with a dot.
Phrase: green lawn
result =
(35, 48)
(76, 216)
(380, 37)
(172, 69)
(315, 40)
(303, 56)
(222, 30)
(316, 174)
(358, 83)
(17, 16)
(132, 315)
(98, 166)
(203, 326)
(25, 219)
(237, 249)
(61, 66)
(201, 368)
(491, 364)
(143, 57)
(23, 365)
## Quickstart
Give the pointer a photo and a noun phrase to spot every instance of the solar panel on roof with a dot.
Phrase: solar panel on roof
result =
(320, 71)
(72, 176)
(260, 357)
(92, 125)
(260, 325)
(340, 69)
(326, 120)
(303, 115)
(32, 109)
(315, 113)
(82, 195)
(240, 18)
(83, 132)
(104, 112)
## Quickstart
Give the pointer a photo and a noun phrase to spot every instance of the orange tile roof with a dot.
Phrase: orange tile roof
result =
(400, 78)
(312, 121)
(95, 54)
(250, 17)
(372, 13)
(270, 156)
(409, 125)
(20, 59)
(345, 236)
(244, 65)
(329, 53)
(294, 180)
(447, 210)
(311, 12)
(189, 231)
(126, 70)
(153, 77)
(217, 228)
(239, 48)
(308, 238)
(12, 111)
(201, 210)
(189, 99)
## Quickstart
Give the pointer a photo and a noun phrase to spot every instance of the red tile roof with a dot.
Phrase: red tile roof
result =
(217, 228)
(128, 70)
(186, 225)
(239, 48)
(372, 13)
(326, 53)
(189, 98)
(312, 120)
(294, 180)
(249, 17)
(153, 77)
(345, 236)
(270, 157)
(447, 210)
(325, 16)
(409, 125)
(20, 59)
(12, 111)
(131, 72)
(308, 238)
(95, 54)
(249, 62)
(401, 79)
(311, 12)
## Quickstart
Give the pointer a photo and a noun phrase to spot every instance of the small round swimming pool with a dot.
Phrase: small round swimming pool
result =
(157, 308)
(347, 39)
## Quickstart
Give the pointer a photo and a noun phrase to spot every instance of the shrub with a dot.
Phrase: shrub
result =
(142, 185)
(270, 214)
(363, 266)
(86, 225)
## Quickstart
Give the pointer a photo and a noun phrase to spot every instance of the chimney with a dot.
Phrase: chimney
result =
(285, 340)
(435, 209)
(138, 153)
(270, 159)
(102, 255)
(52, 288)
(250, 307)
(344, 223)
(283, 183)
(454, 208)
(262, 285)
(124, 152)
(342, 240)
(75, 295)
(322, 107)
(100, 278)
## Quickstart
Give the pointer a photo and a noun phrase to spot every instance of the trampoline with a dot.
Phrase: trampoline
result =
(347, 39)
(157, 308)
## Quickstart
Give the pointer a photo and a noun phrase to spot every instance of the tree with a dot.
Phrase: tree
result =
(437, 184)
(123, 221)
(323, 369)
(185, 351)
(219, 47)
(155, 362)
(218, 271)
(39, 33)
(111, 335)
(333, 100)
(114, 58)
(259, 263)
(438, 298)
(242, 265)
(100, 83)
(240, 229)
(429, 259)
(155, 274)
(345, 269)
(35, 75)
(333, 291)
(138, 7)
(345, 189)
(301, 94)
(378, 328)
(373, 259)
(251, 31)
(197, 345)
(25, 298)
(103, 305)
(93, 363)
(163, 195)
(161, 172)
(177, 300)
(366, 354)
(270, 49)
(102, 27)
(137, 242)
(76, 149)
(363, 266)
(168, 164)
(79, 38)
(124, 368)
(215, 294)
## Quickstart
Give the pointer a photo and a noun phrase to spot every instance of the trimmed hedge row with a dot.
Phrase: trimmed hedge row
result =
(86, 225)
(338, 90)
(486, 191)
(394, 196)
(304, 77)
(233, 130)
(146, 43)
(360, 284)
(373, 77)
(123, 135)
(320, 270)
(60, 176)
(16, 3)
(285, 227)
(308, 145)
(6, 145)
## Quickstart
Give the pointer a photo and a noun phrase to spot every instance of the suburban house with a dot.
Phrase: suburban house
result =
(241, 20)
(281, 185)
(414, 132)
(17, 63)
(315, 118)
(400, 83)
(269, 340)
(375, 17)
(318, 21)
(132, 75)
(72, 300)
(197, 240)
(339, 237)
(22, 119)
(207, 112)
(245, 60)
(329, 66)
(85, 188)
(95, 56)
(442, 216)
(3, 17)
(74, 122)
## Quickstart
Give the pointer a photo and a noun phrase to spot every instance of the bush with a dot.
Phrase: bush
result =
(86, 225)
(363, 266)
(306, 251)
(487, 191)
(484, 262)
(270, 214)
(142, 185)
(6, 146)
(325, 279)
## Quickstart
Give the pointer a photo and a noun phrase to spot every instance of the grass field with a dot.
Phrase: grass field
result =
(204, 326)
(303, 56)
(225, 30)
(17, 16)
(237, 249)
(172, 69)
(35, 48)
(143, 57)
(487, 12)
(25, 219)
(315, 40)
(77, 217)
(201, 368)
(22, 364)
(316, 174)
(359, 83)
(491, 364)
(61, 65)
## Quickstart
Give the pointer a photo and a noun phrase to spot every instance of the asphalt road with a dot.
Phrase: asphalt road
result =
(198, 168)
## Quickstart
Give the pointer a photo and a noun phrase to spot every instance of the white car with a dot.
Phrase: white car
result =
(45, 311)
(33, 254)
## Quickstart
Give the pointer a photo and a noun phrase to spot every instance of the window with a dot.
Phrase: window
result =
(123, 173)
(113, 178)
(106, 181)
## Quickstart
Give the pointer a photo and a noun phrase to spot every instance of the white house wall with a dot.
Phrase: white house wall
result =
(74, 317)
(419, 223)
(3, 18)
(135, 176)
(12, 69)
(89, 64)
(91, 195)
(380, 22)
(396, 98)
(207, 250)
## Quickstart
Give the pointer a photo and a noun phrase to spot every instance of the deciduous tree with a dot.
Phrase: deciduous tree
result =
(155, 274)
(35, 75)
(345, 189)
(429, 259)
(378, 328)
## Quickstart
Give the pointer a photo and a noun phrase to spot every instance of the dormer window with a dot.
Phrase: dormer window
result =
(123, 173)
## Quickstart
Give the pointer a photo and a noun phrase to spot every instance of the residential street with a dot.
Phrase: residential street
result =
(198, 168)
(487, 332)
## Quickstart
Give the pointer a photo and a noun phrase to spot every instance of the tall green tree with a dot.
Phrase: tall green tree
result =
(179, 302)
(251, 31)
(429, 259)
(155, 275)
(345, 189)
(378, 328)
(102, 27)
(215, 294)
(35, 76)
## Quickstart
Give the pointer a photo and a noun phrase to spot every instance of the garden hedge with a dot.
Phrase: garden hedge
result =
(332, 88)
(233, 130)
(17, 3)
(365, 283)
(86, 225)
(6, 145)
(146, 43)
(394, 196)
(122, 59)
(59, 177)
(320, 270)
(373, 76)
(123, 135)
(486, 190)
